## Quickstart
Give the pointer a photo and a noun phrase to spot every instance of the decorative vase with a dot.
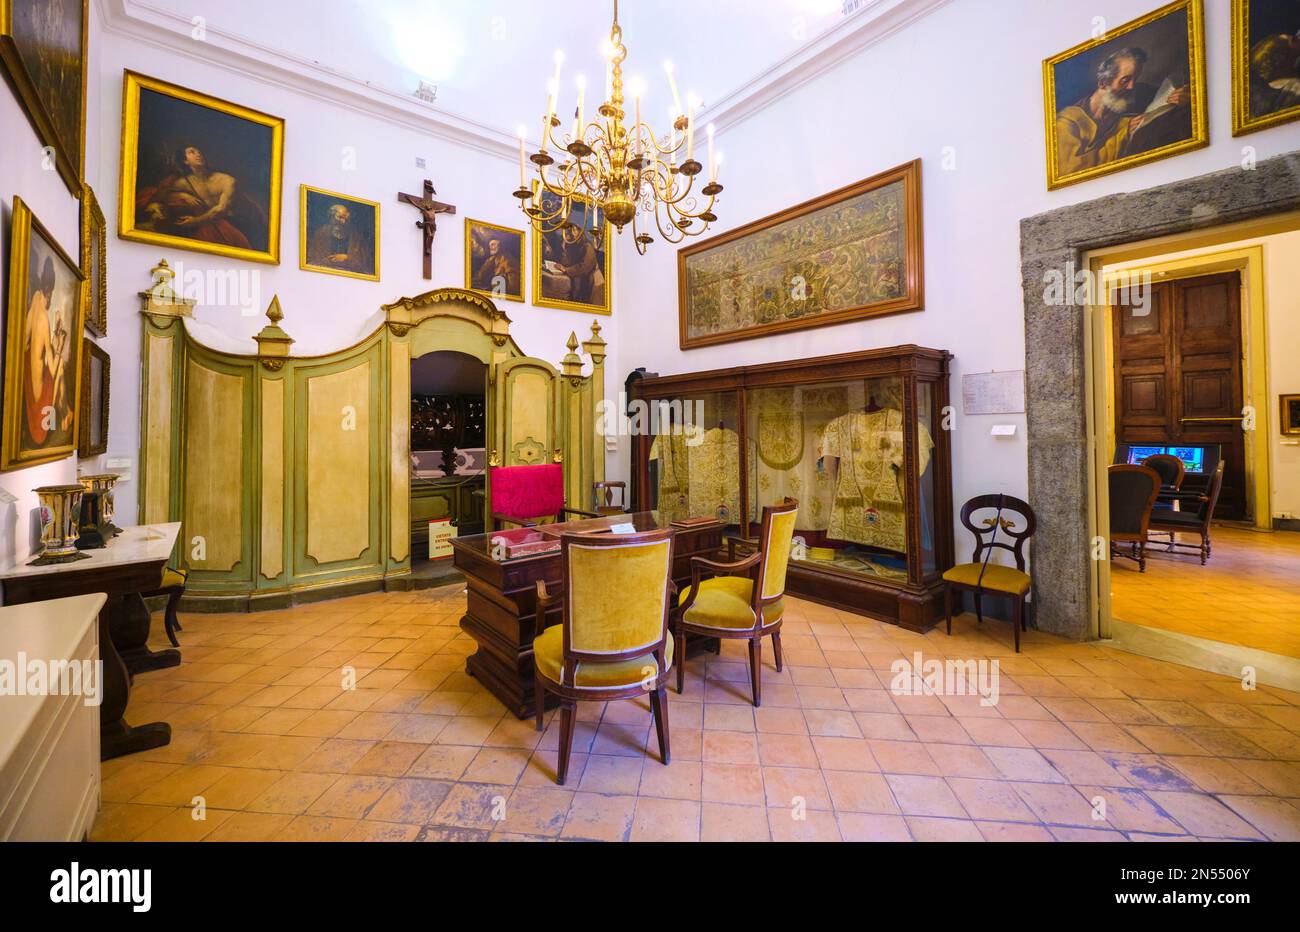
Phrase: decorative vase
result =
(60, 509)
(102, 484)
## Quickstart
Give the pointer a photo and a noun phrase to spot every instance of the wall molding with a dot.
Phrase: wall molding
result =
(145, 22)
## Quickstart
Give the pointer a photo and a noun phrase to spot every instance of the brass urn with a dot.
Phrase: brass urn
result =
(60, 510)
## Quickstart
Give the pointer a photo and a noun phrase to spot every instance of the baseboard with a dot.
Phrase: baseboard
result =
(1204, 654)
(1286, 524)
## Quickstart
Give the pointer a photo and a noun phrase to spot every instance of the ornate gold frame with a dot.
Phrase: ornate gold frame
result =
(132, 84)
(1242, 122)
(19, 240)
(303, 264)
(31, 101)
(1284, 403)
(94, 235)
(540, 301)
(84, 447)
(1200, 126)
(523, 250)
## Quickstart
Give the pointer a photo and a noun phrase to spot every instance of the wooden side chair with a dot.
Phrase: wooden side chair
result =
(981, 575)
(746, 600)
(1172, 471)
(1133, 493)
(171, 585)
(604, 497)
(1191, 520)
(527, 496)
(613, 642)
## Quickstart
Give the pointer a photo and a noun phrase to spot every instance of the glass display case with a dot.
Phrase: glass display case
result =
(858, 439)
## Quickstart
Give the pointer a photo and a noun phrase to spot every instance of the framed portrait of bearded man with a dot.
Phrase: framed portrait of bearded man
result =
(1265, 64)
(43, 346)
(1132, 95)
(494, 260)
(199, 173)
(338, 234)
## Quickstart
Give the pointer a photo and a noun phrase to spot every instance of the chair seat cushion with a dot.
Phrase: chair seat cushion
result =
(997, 578)
(1187, 519)
(724, 603)
(548, 651)
(172, 578)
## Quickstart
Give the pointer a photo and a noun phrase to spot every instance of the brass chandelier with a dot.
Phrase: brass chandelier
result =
(627, 172)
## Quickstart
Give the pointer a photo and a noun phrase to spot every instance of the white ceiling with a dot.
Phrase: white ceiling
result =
(491, 59)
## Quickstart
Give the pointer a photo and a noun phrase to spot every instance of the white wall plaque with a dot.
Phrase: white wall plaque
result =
(993, 392)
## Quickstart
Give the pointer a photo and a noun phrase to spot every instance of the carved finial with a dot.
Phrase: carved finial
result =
(273, 343)
(273, 313)
(595, 347)
(573, 342)
(595, 330)
(161, 300)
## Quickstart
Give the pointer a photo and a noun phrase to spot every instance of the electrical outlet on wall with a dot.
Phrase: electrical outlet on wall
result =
(419, 162)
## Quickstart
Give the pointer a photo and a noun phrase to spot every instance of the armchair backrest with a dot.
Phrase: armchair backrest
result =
(989, 527)
(1212, 495)
(617, 595)
(774, 540)
(526, 492)
(1171, 468)
(1133, 491)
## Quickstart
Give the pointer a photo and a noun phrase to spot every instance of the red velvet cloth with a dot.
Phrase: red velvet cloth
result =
(528, 491)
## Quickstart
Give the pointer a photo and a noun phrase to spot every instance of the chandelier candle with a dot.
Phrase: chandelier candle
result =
(609, 171)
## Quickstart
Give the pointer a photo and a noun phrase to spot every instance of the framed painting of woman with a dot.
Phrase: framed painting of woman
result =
(43, 346)
(198, 172)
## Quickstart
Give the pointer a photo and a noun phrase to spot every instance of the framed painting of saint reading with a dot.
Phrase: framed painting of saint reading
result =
(92, 431)
(338, 234)
(42, 348)
(853, 253)
(198, 172)
(571, 263)
(1265, 64)
(1134, 95)
(494, 260)
(43, 47)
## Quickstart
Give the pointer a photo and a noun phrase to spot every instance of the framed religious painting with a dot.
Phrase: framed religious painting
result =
(199, 173)
(1265, 64)
(494, 260)
(1131, 96)
(43, 47)
(94, 263)
(572, 260)
(854, 253)
(43, 346)
(338, 234)
(92, 427)
(1290, 415)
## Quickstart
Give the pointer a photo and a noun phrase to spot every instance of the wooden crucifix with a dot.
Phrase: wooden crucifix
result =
(428, 222)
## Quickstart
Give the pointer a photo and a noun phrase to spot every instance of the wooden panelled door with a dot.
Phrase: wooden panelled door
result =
(1178, 374)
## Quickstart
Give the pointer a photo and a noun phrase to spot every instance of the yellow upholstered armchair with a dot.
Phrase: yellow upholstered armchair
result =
(747, 599)
(171, 585)
(613, 642)
(982, 575)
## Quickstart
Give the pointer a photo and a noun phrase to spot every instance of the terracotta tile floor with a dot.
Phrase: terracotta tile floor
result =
(272, 746)
(1246, 594)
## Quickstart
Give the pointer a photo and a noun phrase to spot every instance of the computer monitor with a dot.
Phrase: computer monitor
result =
(1197, 458)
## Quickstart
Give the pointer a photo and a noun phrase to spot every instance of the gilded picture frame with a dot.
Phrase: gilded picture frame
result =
(40, 77)
(478, 260)
(548, 282)
(1289, 422)
(92, 426)
(1074, 156)
(42, 401)
(225, 147)
(94, 263)
(752, 275)
(359, 230)
(1262, 101)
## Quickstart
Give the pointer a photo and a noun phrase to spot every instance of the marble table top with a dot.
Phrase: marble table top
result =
(143, 543)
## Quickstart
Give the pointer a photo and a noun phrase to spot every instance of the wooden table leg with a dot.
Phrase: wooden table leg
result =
(130, 628)
(116, 737)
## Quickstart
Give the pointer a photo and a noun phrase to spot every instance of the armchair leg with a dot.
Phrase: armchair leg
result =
(776, 649)
(566, 741)
(659, 706)
(947, 605)
(1141, 550)
(979, 607)
(1017, 616)
(681, 659)
(170, 622)
(756, 669)
(539, 698)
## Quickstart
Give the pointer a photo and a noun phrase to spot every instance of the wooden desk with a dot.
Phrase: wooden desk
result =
(502, 600)
(132, 563)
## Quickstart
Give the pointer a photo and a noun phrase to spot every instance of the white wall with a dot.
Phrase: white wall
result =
(965, 80)
(22, 173)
